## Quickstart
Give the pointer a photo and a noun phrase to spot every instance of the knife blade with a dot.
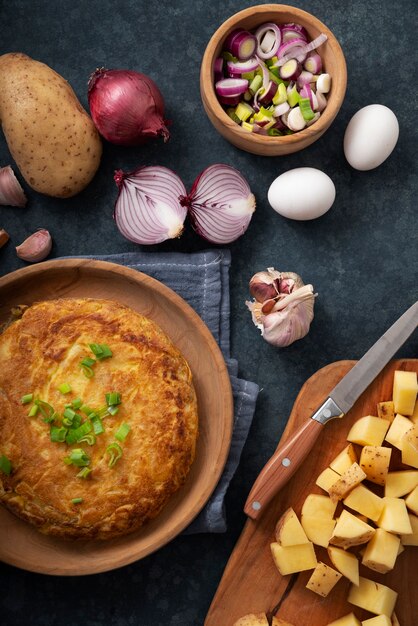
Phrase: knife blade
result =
(287, 458)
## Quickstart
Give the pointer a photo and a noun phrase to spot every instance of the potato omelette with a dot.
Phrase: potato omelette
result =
(98, 418)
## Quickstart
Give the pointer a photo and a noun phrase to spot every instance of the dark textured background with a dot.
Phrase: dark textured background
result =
(361, 257)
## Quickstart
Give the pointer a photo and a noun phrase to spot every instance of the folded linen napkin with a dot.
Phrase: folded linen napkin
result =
(202, 279)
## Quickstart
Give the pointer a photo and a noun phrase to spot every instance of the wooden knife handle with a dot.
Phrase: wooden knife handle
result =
(282, 465)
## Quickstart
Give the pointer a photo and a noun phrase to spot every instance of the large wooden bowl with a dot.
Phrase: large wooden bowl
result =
(24, 546)
(333, 61)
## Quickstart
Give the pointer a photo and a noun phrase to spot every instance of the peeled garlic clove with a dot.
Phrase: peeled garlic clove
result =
(11, 193)
(265, 285)
(4, 237)
(36, 247)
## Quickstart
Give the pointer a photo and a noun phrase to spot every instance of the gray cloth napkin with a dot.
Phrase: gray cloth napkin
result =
(202, 279)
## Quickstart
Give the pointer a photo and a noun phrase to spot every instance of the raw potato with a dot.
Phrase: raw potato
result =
(409, 447)
(323, 579)
(350, 531)
(398, 484)
(374, 460)
(411, 539)
(365, 502)
(386, 410)
(352, 477)
(411, 501)
(50, 136)
(319, 530)
(252, 620)
(317, 505)
(379, 620)
(399, 427)
(293, 559)
(381, 551)
(373, 597)
(289, 531)
(327, 478)
(345, 562)
(405, 390)
(344, 459)
(394, 517)
(347, 620)
(368, 431)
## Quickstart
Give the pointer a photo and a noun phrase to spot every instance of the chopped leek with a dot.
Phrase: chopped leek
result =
(5, 465)
(122, 432)
(255, 84)
(281, 95)
(306, 109)
(115, 453)
(26, 398)
(243, 111)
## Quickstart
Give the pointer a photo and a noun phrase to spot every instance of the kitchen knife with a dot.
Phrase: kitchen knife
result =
(288, 457)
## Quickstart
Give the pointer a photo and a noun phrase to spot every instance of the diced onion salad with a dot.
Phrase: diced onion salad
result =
(271, 82)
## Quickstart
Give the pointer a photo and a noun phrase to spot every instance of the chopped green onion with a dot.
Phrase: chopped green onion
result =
(101, 350)
(51, 418)
(83, 473)
(113, 398)
(102, 411)
(97, 424)
(88, 361)
(77, 500)
(77, 457)
(58, 433)
(26, 398)
(90, 439)
(76, 403)
(86, 367)
(45, 408)
(86, 410)
(122, 432)
(33, 411)
(5, 465)
(69, 414)
(69, 405)
(75, 434)
(115, 452)
(64, 388)
(274, 132)
(112, 410)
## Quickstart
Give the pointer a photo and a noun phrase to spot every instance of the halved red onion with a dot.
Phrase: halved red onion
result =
(220, 204)
(230, 87)
(241, 44)
(148, 209)
(11, 192)
(269, 39)
(218, 69)
(299, 52)
(241, 67)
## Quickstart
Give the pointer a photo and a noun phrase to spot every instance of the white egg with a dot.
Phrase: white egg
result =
(304, 193)
(370, 137)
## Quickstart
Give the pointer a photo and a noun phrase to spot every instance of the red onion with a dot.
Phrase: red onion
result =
(231, 87)
(275, 38)
(148, 209)
(241, 67)
(218, 69)
(300, 50)
(241, 44)
(126, 106)
(220, 204)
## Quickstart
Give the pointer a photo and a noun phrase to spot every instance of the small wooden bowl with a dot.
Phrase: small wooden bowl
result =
(333, 61)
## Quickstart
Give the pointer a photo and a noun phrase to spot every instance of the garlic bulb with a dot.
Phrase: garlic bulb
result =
(282, 307)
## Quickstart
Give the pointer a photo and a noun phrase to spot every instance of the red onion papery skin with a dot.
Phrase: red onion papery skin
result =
(220, 204)
(127, 107)
(148, 209)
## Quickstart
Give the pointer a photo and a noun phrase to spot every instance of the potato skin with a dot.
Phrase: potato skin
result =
(51, 137)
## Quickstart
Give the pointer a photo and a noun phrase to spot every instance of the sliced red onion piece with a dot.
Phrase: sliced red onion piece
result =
(241, 44)
(286, 48)
(322, 101)
(293, 30)
(313, 63)
(303, 50)
(241, 67)
(148, 209)
(290, 70)
(220, 204)
(267, 94)
(230, 87)
(218, 69)
(304, 78)
(11, 192)
(266, 49)
(281, 109)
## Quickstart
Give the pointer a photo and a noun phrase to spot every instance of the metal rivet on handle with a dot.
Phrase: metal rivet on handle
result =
(256, 506)
(286, 462)
(326, 413)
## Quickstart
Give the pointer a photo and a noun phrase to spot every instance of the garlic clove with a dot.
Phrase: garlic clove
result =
(4, 237)
(265, 285)
(11, 192)
(36, 247)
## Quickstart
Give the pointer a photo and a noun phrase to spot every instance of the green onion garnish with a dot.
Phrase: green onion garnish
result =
(64, 388)
(115, 452)
(101, 350)
(88, 362)
(5, 465)
(45, 408)
(77, 500)
(75, 434)
(113, 398)
(57, 434)
(86, 410)
(76, 403)
(102, 411)
(69, 414)
(87, 370)
(112, 410)
(33, 411)
(122, 432)
(83, 473)
(90, 439)
(77, 457)
(27, 398)
(51, 418)
(97, 424)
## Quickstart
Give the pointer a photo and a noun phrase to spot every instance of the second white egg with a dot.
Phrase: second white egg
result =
(304, 193)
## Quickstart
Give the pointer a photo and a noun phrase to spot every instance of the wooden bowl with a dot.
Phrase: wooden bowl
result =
(333, 61)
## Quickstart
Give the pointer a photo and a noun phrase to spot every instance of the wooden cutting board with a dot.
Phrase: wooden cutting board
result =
(251, 582)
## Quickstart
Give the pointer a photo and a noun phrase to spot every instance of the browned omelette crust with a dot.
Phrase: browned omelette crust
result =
(43, 350)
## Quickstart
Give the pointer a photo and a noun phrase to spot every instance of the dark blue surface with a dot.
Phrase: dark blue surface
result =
(361, 256)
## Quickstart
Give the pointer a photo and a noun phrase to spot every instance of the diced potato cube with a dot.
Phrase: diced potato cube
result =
(405, 388)
(347, 481)
(379, 620)
(374, 461)
(252, 620)
(386, 410)
(411, 539)
(345, 562)
(394, 517)
(414, 416)
(397, 430)
(365, 502)
(323, 579)
(411, 501)
(319, 530)
(368, 431)
(292, 559)
(409, 447)
(327, 478)
(373, 597)
(317, 505)
(398, 484)
(344, 459)
(289, 531)
(381, 551)
(350, 531)
(347, 620)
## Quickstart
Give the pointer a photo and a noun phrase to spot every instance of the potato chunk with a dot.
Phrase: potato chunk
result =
(327, 478)
(368, 431)
(345, 562)
(409, 447)
(344, 459)
(379, 620)
(365, 502)
(400, 426)
(373, 597)
(405, 388)
(317, 505)
(381, 551)
(411, 501)
(386, 410)
(347, 620)
(289, 531)
(394, 517)
(411, 539)
(400, 483)
(323, 579)
(292, 559)
(374, 461)
(350, 531)
(347, 481)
